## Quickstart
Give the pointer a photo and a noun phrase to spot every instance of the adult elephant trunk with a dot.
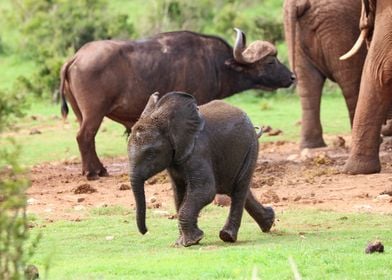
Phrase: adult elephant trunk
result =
(140, 199)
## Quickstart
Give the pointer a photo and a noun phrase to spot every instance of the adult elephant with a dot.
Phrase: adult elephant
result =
(317, 33)
(375, 97)
(115, 78)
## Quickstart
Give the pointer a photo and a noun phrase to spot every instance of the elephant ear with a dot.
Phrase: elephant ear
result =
(151, 105)
(184, 123)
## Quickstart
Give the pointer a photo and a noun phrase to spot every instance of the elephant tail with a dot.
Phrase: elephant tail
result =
(292, 11)
(264, 216)
(259, 131)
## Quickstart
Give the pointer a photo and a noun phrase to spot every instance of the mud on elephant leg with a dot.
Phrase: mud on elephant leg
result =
(92, 167)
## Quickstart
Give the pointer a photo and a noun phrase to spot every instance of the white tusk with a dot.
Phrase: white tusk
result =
(357, 45)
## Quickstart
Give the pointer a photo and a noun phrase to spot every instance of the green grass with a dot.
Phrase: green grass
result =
(324, 245)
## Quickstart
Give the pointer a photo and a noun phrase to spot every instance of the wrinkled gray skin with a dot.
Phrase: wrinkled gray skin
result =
(207, 151)
(318, 32)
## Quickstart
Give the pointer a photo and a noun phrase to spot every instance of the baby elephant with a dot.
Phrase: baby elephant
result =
(207, 150)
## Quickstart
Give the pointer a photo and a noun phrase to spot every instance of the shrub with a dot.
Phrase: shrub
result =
(53, 30)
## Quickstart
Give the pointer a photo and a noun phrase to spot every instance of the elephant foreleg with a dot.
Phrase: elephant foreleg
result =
(375, 97)
(196, 197)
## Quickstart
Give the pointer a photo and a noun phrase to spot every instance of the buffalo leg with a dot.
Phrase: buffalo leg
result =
(92, 167)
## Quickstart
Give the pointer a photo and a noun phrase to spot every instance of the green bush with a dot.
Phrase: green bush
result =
(13, 220)
(53, 30)
(11, 107)
(13, 183)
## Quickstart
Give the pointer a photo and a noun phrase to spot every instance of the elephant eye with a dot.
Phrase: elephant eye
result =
(150, 153)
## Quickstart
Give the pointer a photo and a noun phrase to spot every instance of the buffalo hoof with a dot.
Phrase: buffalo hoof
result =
(91, 176)
(356, 166)
(190, 239)
(312, 144)
(103, 172)
(228, 236)
(268, 219)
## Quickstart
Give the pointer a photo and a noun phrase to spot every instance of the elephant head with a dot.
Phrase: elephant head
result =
(259, 63)
(164, 135)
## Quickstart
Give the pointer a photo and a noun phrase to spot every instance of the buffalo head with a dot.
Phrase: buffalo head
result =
(258, 62)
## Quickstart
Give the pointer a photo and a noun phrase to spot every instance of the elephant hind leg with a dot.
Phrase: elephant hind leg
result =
(230, 230)
(310, 85)
(264, 216)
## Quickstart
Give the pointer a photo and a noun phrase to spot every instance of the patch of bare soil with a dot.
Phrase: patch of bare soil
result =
(285, 178)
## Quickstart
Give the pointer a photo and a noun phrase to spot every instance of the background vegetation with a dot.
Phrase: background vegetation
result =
(37, 36)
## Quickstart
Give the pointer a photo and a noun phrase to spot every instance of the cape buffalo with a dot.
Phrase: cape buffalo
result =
(116, 78)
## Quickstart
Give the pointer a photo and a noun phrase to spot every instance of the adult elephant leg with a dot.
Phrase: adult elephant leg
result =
(92, 167)
(375, 97)
(310, 85)
(350, 89)
(386, 129)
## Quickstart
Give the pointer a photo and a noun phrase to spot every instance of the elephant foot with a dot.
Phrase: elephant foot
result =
(190, 239)
(268, 219)
(386, 129)
(356, 165)
(311, 144)
(103, 172)
(228, 235)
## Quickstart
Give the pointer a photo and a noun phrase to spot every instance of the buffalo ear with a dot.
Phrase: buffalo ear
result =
(185, 123)
(151, 104)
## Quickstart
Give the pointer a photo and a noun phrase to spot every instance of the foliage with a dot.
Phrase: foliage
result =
(52, 30)
(11, 107)
(14, 231)
(14, 228)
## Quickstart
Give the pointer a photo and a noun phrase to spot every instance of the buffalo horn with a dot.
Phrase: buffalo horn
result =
(239, 46)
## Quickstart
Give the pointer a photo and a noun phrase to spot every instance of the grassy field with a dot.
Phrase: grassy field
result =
(324, 245)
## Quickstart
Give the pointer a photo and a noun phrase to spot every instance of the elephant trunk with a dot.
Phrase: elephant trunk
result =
(140, 199)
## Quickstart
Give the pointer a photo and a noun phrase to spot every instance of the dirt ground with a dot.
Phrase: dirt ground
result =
(285, 178)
